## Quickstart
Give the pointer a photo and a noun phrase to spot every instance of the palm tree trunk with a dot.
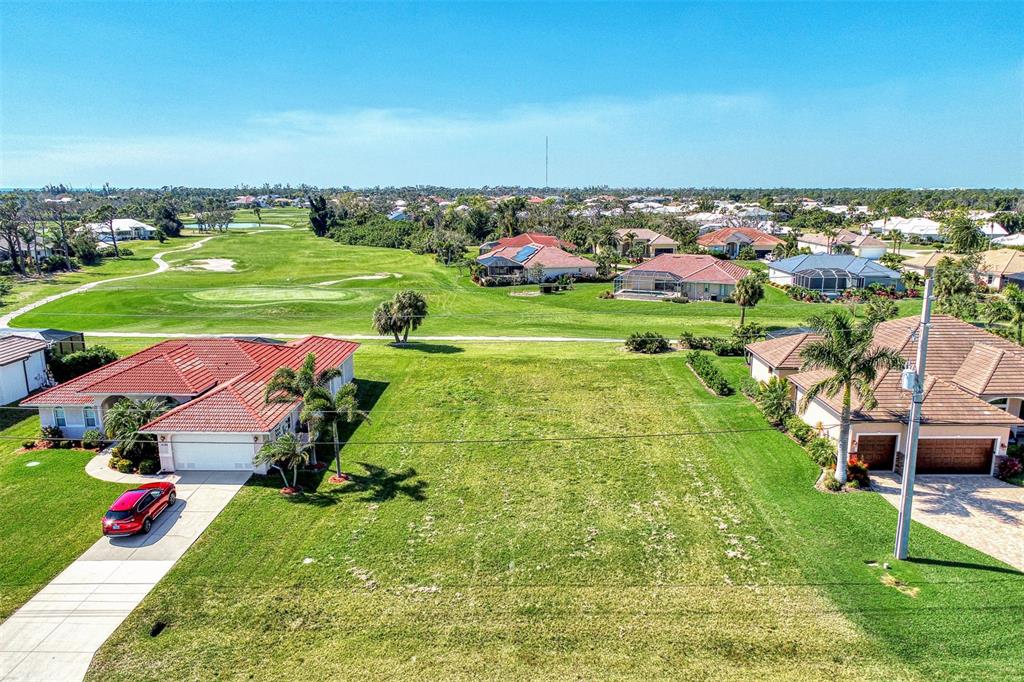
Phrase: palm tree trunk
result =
(743, 314)
(844, 438)
(284, 477)
(295, 476)
(337, 449)
(405, 334)
(113, 235)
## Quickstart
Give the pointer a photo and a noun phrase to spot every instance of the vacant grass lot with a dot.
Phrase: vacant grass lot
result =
(49, 513)
(701, 556)
(289, 281)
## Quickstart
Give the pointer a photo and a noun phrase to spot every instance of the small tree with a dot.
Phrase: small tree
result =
(105, 216)
(259, 215)
(127, 416)
(1009, 308)
(323, 409)
(962, 234)
(749, 291)
(880, 309)
(287, 452)
(404, 312)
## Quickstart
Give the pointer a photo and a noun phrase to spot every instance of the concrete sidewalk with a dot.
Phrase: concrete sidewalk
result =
(55, 634)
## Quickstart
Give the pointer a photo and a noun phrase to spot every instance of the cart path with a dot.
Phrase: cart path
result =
(158, 258)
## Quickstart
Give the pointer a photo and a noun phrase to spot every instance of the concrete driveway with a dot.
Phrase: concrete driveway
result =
(979, 511)
(55, 634)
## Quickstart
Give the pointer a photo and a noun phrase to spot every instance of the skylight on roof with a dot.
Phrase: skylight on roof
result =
(524, 253)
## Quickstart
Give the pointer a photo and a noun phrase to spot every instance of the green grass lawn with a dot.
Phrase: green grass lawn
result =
(31, 289)
(702, 556)
(49, 513)
(289, 281)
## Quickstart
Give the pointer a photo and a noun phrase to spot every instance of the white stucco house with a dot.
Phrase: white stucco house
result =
(220, 419)
(974, 396)
(125, 228)
(22, 367)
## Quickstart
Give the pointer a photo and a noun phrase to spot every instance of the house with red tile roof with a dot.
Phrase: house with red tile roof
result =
(730, 240)
(219, 419)
(526, 239)
(974, 394)
(533, 263)
(699, 277)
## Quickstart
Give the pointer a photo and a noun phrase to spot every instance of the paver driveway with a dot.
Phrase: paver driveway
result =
(979, 511)
(54, 635)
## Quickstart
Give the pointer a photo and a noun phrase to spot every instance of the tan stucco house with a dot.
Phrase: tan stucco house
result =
(974, 391)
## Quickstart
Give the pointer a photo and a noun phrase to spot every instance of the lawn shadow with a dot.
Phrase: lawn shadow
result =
(965, 564)
(376, 485)
(432, 348)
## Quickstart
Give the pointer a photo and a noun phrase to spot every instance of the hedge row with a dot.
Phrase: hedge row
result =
(708, 372)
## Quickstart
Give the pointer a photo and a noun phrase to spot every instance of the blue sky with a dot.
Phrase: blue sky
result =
(734, 94)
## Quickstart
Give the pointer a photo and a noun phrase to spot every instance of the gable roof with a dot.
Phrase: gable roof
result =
(227, 376)
(14, 348)
(646, 235)
(535, 254)
(723, 236)
(694, 268)
(855, 265)
(841, 237)
(782, 352)
(528, 238)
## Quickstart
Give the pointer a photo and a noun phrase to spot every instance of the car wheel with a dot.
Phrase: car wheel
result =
(146, 525)
(171, 499)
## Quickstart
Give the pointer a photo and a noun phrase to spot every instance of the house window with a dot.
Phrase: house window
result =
(1001, 403)
(90, 416)
(58, 417)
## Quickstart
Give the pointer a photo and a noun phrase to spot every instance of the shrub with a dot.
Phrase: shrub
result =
(1015, 451)
(749, 387)
(147, 467)
(799, 429)
(64, 444)
(121, 464)
(92, 439)
(1009, 468)
(28, 444)
(677, 298)
(831, 482)
(6, 268)
(746, 252)
(688, 340)
(822, 451)
(647, 342)
(774, 401)
(857, 472)
(748, 333)
(78, 363)
(709, 373)
(606, 294)
(51, 433)
(727, 348)
(122, 251)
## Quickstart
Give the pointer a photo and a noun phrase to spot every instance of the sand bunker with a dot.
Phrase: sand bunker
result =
(211, 264)
(379, 275)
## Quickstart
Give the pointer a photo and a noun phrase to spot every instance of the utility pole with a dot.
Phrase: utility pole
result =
(913, 381)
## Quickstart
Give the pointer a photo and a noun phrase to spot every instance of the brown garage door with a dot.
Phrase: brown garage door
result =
(954, 455)
(877, 451)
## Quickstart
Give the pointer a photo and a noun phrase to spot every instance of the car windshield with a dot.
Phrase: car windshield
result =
(118, 515)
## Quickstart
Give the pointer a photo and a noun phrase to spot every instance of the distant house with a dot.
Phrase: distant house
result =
(399, 214)
(831, 275)
(863, 245)
(60, 342)
(507, 264)
(731, 240)
(995, 267)
(526, 239)
(972, 404)
(125, 229)
(699, 277)
(1009, 240)
(654, 243)
(244, 201)
(22, 367)
(923, 228)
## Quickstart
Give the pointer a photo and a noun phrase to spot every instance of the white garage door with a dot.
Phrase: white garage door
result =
(212, 456)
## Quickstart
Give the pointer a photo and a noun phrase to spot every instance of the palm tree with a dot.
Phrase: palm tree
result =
(404, 312)
(748, 292)
(124, 419)
(896, 237)
(774, 401)
(286, 386)
(322, 409)
(847, 351)
(830, 234)
(1009, 308)
(962, 234)
(287, 452)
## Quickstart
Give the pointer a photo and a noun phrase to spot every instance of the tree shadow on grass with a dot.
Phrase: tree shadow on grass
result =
(432, 348)
(375, 486)
(965, 564)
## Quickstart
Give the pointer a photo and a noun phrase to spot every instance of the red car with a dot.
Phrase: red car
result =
(135, 511)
